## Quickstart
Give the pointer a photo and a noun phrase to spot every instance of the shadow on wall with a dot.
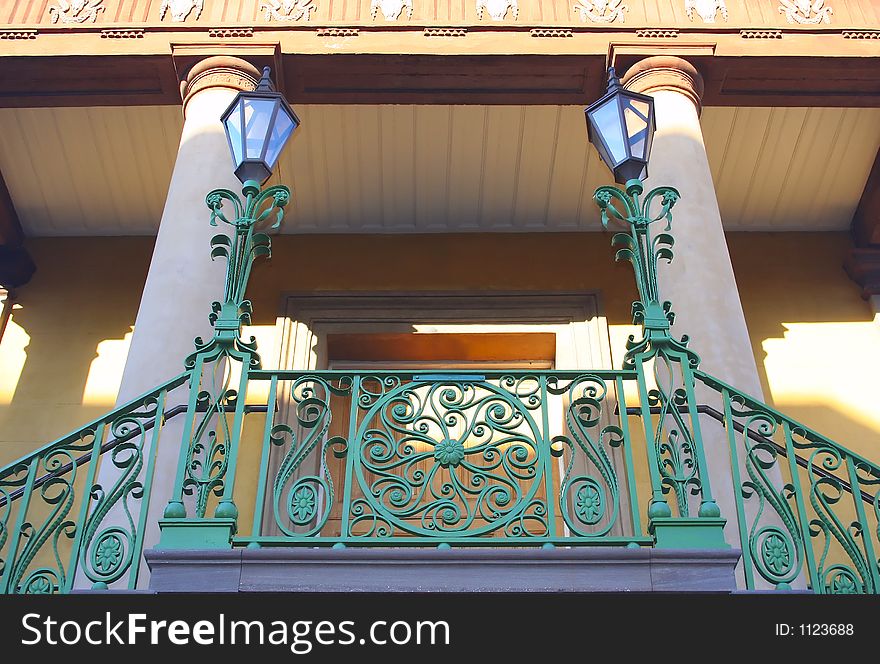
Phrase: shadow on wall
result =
(66, 341)
(815, 339)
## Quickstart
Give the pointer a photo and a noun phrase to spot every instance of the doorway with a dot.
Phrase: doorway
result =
(442, 351)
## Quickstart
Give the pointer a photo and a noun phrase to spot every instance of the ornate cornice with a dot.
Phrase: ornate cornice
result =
(122, 33)
(18, 34)
(665, 72)
(760, 34)
(188, 15)
(219, 71)
(445, 32)
(551, 32)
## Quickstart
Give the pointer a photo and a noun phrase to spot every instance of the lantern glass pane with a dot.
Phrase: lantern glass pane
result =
(635, 114)
(281, 131)
(233, 133)
(607, 122)
(257, 116)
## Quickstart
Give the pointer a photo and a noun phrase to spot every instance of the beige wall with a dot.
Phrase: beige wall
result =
(62, 353)
(814, 338)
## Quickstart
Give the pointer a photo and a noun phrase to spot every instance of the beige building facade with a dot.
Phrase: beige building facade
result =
(442, 222)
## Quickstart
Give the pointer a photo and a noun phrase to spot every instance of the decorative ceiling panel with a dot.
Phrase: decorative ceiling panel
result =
(423, 169)
(89, 171)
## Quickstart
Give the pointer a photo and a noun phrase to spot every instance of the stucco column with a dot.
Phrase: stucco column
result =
(183, 281)
(700, 281)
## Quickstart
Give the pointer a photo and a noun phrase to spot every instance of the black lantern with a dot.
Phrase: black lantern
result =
(258, 125)
(621, 126)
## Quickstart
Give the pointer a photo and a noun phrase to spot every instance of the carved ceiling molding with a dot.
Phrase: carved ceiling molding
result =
(287, 10)
(391, 10)
(122, 33)
(75, 11)
(497, 10)
(601, 11)
(858, 19)
(18, 34)
(705, 9)
(226, 33)
(656, 33)
(338, 32)
(806, 12)
(445, 32)
(760, 34)
(551, 32)
(180, 10)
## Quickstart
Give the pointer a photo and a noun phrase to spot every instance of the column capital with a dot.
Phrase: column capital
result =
(665, 72)
(219, 72)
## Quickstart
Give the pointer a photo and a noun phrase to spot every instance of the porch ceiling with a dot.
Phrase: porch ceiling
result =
(372, 168)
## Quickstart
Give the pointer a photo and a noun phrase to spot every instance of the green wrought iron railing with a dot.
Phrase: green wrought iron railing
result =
(495, 458)
(403, 459)
(74, 507)
(807, 509)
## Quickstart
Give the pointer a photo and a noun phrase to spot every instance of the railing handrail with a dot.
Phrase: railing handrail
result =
(177, 381)
(810, 434)
(111, 444)
(429, 372)
(715, 414)
(268, 374)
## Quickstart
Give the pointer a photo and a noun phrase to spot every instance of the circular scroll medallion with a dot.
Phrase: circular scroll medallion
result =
(448, 457)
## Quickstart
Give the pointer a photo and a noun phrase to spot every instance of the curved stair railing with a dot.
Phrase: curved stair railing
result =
(75, 507)
(519, 458)
(806, 507)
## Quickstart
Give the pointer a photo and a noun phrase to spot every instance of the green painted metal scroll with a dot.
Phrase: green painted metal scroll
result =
(808, 509)
(209, 454)
(470, 459)
(78, 506)
(679, 464)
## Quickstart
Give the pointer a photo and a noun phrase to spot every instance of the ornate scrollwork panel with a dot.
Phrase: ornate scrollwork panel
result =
(452, 457)
(39, 563)
(111, 537)
(775, 541)
(842, 566)
(304, 491)
(589, 492)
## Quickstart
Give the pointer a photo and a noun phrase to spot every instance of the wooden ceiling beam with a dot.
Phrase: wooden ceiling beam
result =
(345, 78)
(866, 220)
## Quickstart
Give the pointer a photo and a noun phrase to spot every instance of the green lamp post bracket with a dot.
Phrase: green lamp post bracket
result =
(240, 250)
(211, 438)
(644, 252)
(678, 465)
